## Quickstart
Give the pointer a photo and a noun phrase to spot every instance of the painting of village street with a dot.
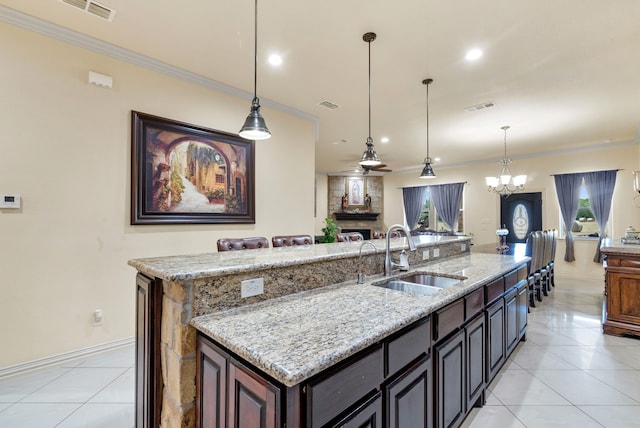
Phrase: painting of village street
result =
(190, 174)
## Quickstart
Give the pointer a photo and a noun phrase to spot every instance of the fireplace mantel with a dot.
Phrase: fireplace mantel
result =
(361, 216)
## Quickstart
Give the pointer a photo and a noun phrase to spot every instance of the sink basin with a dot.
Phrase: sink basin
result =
(408, 287)
(431, 280)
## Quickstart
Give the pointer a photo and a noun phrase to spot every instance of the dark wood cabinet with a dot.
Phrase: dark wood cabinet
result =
(523, 308)
(450, 381)
(369, 415)
(409, 398)
(495, 338)
(148, 367)
(475, 348)
(228, 394)
(252, 401)
(622, 294)
(511, 320)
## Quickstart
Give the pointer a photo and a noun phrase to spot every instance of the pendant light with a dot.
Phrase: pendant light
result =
(369, 157)
(505, 184)
(427, 171)
(254, 127)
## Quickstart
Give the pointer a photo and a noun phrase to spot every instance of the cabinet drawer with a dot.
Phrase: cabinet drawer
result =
(473, 303)
(510, 279)
(331, 395)
(408, 346)
(448, 319)
(522, 273)
(632, 263)
(493, 290)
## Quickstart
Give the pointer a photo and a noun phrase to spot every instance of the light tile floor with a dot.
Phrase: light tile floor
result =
(567, 374)
(95, 392)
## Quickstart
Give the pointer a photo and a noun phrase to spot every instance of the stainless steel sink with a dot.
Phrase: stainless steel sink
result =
(432, 280)
(408, 287)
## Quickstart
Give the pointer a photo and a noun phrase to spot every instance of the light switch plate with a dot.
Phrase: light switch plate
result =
(436, 252)
(425, 255)
(251, 287)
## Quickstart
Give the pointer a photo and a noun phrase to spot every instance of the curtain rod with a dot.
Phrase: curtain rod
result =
(586, 172)
(428, 185)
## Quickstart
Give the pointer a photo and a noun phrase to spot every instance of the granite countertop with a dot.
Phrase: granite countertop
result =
(188, 267)
(620, 247)
(297, 336)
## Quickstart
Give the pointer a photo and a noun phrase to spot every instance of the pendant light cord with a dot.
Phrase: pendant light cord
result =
(255, 52)
(428, 120)
(505, 140)
(369, 43)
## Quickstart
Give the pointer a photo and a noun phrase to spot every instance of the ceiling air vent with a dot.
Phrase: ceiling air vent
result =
(482, 106)
(93, 8)
(329, 105)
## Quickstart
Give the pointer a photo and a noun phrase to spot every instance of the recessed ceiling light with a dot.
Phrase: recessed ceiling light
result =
(275, 59)
(473, 54)
(436, 159)
(384, 139)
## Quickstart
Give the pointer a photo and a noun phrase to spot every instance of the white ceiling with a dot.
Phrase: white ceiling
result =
(562, 74)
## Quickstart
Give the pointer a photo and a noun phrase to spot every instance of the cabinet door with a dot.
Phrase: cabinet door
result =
(252, 401)
(369, 415)
(409, 398)
(511, 320)
(211, 386)
(623, 297)
(523, 308)
(450, 380)
(495, 338)
(475, 336)
(148, 368)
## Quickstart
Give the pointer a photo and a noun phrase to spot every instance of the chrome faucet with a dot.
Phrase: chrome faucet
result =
(360, 273)
(388, 263)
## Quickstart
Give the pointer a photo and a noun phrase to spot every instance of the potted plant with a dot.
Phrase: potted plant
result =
(329, 231)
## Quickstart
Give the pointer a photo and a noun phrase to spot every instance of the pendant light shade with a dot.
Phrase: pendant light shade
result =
(427, 171)
(254, 127)
(369, 157)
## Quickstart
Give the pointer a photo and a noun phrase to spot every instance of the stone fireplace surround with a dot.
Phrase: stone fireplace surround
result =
(374, 187)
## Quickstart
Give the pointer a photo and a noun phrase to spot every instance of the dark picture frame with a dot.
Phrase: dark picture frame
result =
(187, 174)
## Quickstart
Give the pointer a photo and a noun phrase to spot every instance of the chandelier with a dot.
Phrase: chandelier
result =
(505, 184)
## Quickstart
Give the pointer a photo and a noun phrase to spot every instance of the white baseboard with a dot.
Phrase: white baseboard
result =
(63, 358)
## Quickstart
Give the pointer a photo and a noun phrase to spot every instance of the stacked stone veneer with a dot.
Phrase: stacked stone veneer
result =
(374, 187)
(187, 299)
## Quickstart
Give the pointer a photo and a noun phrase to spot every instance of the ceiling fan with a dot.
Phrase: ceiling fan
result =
(364, 170)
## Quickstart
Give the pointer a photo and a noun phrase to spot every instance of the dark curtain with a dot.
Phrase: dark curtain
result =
(447, 199)
(568, 190)
(413, 198)
(600, 187)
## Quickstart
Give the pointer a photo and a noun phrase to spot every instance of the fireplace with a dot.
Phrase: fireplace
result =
(366, 233)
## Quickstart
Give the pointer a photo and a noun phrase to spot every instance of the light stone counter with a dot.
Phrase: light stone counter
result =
(207, 265)
(294, 337)
(617, 247)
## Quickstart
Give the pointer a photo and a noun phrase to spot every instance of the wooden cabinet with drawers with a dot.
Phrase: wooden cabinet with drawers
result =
(622, 295)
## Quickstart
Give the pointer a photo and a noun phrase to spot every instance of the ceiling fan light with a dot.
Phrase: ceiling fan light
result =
(254, 127)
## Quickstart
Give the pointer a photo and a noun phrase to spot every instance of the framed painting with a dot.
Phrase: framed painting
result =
(355, 190)
(188, 174)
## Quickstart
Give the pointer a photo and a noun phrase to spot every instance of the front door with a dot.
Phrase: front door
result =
(521, 213)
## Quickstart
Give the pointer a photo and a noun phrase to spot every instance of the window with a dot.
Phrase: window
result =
(585, 224)
(425, 221)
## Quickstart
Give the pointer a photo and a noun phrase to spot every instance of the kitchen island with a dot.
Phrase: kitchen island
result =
(174, 290)
(622, 288)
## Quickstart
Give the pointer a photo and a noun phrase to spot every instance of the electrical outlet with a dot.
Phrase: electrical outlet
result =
(98, 318)
(463, 247)
(251, 287)
(436, 252)
(425, 255)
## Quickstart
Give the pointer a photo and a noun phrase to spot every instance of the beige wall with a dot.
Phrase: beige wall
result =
(482, 208)
(66, 151)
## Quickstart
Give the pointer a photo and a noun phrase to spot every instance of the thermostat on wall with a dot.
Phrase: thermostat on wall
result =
(9, 201)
